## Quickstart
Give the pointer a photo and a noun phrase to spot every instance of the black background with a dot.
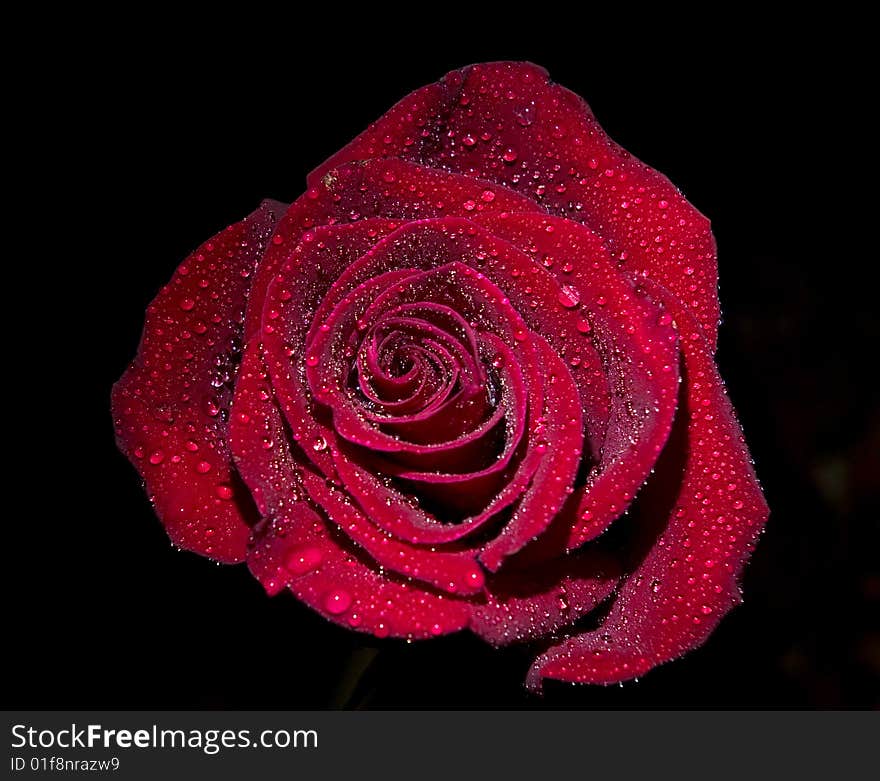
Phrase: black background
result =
(156, 141)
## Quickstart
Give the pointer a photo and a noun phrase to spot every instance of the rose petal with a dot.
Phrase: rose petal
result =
(258, 441)
(700, 518)
(638, 347)
(297, 550)
(560, 443)
(171, 405)
(508, 123)
(529, 604)
(456, 572)
(365, 189)
(311, 271)
(279, 481)
(294, 547)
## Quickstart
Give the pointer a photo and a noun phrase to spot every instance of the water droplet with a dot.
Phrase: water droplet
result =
(157, 457)
(509, 156)
(525, 115)
(304, 559)
(569, 297)
(186, 304)
(584, 327)
(488, 196)
(312, 360)
(319, 445)
(224, 492)
(337, 601)
(203, 467)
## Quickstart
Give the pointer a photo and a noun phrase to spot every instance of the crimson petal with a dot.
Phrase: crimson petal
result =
(638, 348)
(366, 189)
(508, 123)
(529, 604)
(688, 578)
(171, 405)
(560, 444)
(296, 549)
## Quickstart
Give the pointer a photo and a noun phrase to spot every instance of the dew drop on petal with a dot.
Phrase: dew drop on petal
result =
(569, 297)
(304, 559)
(337, 601)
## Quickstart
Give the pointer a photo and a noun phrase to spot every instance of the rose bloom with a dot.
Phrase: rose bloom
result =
(466, 381)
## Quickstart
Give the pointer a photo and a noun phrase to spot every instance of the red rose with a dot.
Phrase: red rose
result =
(424, 396)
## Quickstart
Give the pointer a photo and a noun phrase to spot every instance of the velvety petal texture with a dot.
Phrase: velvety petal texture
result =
(419, 397)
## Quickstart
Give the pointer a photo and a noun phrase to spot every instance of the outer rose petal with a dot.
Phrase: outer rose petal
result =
(170, 406)
(529, 604)
(697, 540)
(342, 587)
(366, 189)
(507, 122)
